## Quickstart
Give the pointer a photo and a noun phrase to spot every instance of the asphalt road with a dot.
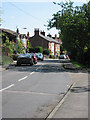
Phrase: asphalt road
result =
(33, 91)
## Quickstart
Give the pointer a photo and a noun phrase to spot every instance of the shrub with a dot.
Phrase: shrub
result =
(6, 60)
(46, 52)
(51, 56)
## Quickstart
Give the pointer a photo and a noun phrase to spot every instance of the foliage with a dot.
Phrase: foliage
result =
(28, 45)
(74, 26)
(51, 56)
(37, 49)
(12, 46)
(9, 45)
(19, 47)
(6, 60)
(46, 51)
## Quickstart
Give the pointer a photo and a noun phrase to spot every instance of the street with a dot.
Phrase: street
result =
(33, 91)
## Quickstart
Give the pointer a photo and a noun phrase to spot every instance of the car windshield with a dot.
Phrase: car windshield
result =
(24, 55)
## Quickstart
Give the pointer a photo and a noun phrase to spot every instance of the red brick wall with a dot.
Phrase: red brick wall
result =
(38, 41)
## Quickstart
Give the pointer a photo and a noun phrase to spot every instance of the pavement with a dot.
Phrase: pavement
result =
(5, 67)
(75, 102)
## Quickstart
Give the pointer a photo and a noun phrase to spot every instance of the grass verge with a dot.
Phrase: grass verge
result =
(77, 64)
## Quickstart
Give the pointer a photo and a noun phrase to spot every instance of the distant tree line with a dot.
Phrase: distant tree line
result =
(74, 26)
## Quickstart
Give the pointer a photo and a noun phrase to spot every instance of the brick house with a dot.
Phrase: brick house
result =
(12, 35)
(46, 42)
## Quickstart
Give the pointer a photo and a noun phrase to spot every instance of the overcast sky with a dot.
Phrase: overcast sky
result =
(30, 14)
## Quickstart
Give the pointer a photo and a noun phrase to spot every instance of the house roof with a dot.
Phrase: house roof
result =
(8, 31)
(49, 39)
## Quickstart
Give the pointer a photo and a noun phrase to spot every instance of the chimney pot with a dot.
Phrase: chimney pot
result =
(36, 32)
(49, 35)
(43, 33)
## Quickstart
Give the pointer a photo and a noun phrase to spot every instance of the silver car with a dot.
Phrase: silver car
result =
(63, 56)
(39, 56)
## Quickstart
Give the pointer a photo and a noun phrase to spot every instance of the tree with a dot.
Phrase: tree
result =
(19, 47)
(73, 24)
(28, 45)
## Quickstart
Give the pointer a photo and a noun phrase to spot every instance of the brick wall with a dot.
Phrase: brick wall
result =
(38, 41)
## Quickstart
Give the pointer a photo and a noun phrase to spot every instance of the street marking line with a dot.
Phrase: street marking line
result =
(7, 87)
(53, 112)
(34, 93)
(32, 73)
(23, 78)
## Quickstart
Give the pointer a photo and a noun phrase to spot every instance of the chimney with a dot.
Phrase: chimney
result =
(43, 33)
(49, 35)
(28, 35)
(55, 36)
(36, 32)
(17, 31)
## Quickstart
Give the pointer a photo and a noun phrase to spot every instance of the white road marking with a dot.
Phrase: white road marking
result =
(32, 73)
(23, 78)
(7, 87)
(34, 93)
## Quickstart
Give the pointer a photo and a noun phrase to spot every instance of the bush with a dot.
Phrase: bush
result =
(46, 52)
(6, 60)
(51, 56)
(37, 49)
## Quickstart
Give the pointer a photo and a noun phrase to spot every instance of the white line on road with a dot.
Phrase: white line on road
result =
(7, 87)
(32, 73)
(23, 78)
(34, 93)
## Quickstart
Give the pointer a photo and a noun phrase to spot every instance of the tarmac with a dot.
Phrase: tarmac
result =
(75, 104)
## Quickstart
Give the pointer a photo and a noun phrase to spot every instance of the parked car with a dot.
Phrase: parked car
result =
(67, 57)
(62, 56)
(25, 59)
(34, 58)
(39, 56)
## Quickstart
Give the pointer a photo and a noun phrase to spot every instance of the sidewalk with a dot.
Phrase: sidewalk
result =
(75, 103)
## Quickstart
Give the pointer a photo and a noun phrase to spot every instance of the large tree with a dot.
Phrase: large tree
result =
(74, 26)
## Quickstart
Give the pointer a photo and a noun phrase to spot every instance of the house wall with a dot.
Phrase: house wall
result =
(57, 49)
(52, 48)
(38, 41)
(24, 41)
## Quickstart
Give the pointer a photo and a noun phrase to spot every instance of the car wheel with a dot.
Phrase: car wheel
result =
(18, 64)
(31, 62)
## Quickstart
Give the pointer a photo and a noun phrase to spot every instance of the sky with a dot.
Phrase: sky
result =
(30, 14)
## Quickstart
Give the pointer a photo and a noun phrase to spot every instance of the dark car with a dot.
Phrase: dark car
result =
(34, 58)
(39, 56)
(25, 59)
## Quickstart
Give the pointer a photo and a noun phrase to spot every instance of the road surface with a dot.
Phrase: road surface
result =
(33, 91)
